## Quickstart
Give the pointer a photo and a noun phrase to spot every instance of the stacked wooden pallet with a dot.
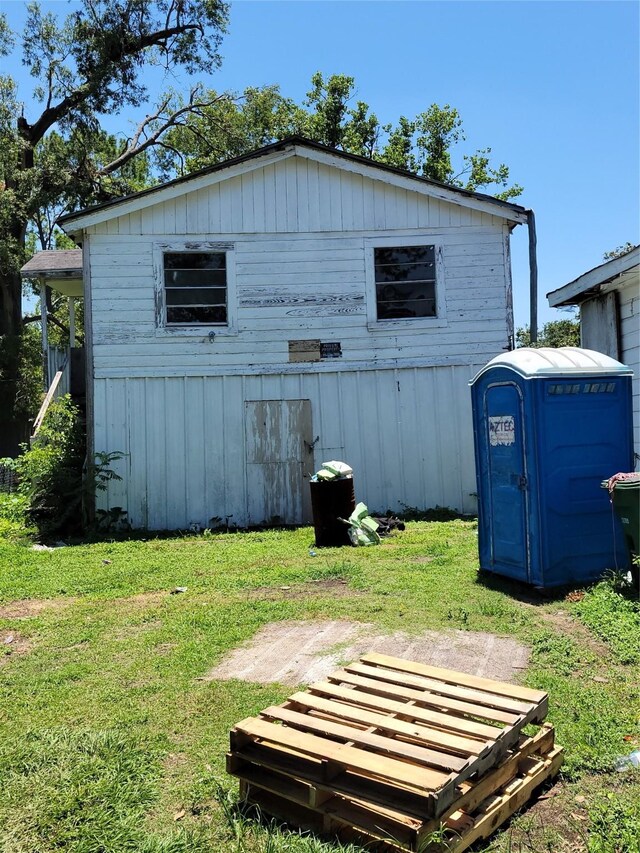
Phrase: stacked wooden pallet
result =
(404, 755)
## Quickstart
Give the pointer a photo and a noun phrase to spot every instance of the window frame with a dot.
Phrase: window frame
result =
(201, 330)
(405, 323)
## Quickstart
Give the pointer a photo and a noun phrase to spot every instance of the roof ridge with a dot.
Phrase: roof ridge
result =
(282, 144)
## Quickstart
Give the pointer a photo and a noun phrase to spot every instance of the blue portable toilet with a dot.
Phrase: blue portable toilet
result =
(549, 426)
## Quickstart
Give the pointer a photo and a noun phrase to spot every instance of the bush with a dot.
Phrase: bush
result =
(50, 472)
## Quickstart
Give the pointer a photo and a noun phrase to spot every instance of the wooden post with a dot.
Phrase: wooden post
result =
(533, 277)
(45, 333)
(72, 322)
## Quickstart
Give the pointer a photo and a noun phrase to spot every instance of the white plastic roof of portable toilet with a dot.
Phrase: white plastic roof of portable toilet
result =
(561, 361)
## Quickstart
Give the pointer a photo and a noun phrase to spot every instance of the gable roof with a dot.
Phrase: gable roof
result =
(290, 147)
(616, 271)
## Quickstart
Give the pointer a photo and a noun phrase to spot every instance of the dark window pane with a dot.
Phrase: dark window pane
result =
(405, 282)
(194, 278)
(195, 260)
(191, 316)
(196, 296)
(414, 299)
(405, 255)
(408, 308)
(406, 290)
(195, 287)
(406, 272)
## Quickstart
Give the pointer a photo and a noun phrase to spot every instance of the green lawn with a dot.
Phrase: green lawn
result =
(109, 742)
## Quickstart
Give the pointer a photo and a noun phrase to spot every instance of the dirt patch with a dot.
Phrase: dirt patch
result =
(556, 818)
(174, 762)
(309, 589)
(165, 648)
(564, 623)
(299, 652)
(143, 599)
(12, 643)
(28, 608)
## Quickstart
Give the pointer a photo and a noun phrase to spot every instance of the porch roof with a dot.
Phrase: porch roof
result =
(59, 269)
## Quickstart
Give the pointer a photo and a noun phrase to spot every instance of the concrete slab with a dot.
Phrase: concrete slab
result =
(300, 652)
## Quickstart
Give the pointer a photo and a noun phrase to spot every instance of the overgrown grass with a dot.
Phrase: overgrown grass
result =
(109, 742)
(615, 618)
(615, 821)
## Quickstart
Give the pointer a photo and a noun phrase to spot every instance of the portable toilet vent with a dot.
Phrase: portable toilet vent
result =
(549, 426)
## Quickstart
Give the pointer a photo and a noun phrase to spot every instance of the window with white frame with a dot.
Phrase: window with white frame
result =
(195, 288)
(405, 282)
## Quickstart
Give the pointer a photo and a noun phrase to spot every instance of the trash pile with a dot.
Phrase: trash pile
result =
(333, 470)
(334, 505)
(363, 529)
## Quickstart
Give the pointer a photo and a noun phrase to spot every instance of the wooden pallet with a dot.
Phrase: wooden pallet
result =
(489, 802)
(390, 751)
(393, 729)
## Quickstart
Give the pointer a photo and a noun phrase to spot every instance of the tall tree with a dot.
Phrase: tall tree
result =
(425, 145)
(555, 333)
(88, 65)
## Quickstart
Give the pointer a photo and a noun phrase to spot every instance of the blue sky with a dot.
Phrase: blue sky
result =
(552, 87)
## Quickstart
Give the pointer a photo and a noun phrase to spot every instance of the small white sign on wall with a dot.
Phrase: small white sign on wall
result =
(502, 430)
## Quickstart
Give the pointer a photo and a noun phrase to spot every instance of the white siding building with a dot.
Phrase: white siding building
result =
(248, 322)
(609, 300)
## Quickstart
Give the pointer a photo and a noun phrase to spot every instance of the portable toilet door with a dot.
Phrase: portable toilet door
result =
(504, 512)
(549, 426)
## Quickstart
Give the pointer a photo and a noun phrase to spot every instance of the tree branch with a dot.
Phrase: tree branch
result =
(166, 145)
(136, 146)
(33, 133)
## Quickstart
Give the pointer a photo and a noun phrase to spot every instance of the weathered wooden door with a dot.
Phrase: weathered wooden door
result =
(279, 445)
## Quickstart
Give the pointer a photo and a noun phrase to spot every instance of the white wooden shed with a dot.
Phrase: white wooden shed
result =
(295, 305)
(609, 300)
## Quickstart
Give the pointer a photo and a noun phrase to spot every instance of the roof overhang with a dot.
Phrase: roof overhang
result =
(293, 147)
(60, 270)
(611, 275)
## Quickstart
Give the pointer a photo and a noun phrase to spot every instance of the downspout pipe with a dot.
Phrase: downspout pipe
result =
(533, 277)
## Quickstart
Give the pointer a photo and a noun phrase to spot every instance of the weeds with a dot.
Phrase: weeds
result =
(613, 617)
(615, 824)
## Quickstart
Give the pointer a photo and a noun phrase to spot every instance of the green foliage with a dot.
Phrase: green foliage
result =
(613, 617)
(85, 65)
(437, 513)
(57, 483)
(615, 823)
(424, 145)
(13, 507)
(51, 471)
(29, 395)
(556, 333)
(69, 172)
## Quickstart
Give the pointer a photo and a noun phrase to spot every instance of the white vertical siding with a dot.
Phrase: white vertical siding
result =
(295, 195)
(630, 340)
(406, 432)
(174, 403)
